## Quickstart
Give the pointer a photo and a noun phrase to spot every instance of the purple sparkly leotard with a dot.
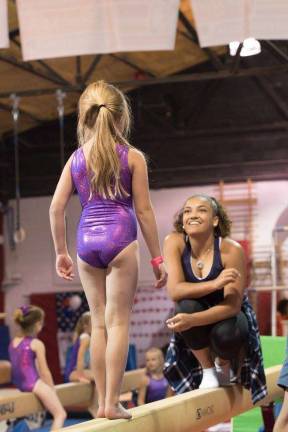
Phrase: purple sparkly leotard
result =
(106, 226)
(24, 372)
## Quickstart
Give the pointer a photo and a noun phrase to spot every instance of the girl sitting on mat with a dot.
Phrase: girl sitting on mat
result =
(30, 372)
(78, 364)
(154, 385)
(216, 337)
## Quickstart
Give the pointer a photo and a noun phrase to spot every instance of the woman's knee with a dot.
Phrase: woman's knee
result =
(227, 337)
(189, 306)
(195, 338)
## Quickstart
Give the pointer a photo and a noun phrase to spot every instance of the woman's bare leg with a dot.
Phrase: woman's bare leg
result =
(50, 400)
(120, 290)
(93, 281)
(204, 357)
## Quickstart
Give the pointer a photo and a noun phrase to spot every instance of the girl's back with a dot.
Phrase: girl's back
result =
(106, 225)
(81, 179)
(22, 357)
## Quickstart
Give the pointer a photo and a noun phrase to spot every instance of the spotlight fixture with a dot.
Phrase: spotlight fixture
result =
(250, 47)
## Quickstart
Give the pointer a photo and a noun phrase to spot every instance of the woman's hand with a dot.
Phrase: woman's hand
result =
(64, 266)
(226, 276)
(161, 275)
(180, 322)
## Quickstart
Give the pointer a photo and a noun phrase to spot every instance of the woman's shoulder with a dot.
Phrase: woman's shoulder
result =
(229, 245)
(175, 240)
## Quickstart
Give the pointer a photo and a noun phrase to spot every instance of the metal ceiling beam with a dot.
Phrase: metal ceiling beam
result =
(277, 100)
(27, 67)
(78, 73)
(53, 72)
(199, 76)
(132, 65)
(194, 38)
(91, 68)
(280, 54)
(280, 127)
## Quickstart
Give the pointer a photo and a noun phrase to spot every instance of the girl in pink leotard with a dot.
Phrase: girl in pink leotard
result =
(111, 179)
(30, 372)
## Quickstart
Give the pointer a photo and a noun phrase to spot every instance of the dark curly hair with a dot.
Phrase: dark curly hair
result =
(223, 228)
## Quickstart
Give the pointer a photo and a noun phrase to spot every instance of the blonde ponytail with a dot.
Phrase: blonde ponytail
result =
(104, 118)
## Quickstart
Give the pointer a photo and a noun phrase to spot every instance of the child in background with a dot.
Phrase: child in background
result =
(282, 315)
(77, 368)
(154, 385)
(30, 372)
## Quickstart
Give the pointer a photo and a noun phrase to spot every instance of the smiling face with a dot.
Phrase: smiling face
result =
(198, 216)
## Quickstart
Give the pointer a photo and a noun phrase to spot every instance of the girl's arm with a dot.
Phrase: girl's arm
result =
(80, 365)
(233, 294)
(178, 288)
(144, 210)
(142, 391)
(44, 372)
(60, 199)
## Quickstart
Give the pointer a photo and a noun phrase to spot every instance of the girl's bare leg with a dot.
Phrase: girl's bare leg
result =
(93, 281)
(120, 290)
(50, 400)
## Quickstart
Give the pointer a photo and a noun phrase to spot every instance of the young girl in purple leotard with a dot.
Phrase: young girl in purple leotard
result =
(111, 179)
(30, 372)
(154, 385)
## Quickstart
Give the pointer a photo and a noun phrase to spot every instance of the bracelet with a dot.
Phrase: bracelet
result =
(156, 261)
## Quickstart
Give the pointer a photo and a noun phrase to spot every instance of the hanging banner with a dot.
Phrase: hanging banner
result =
(219, 22)
(4, 27)
(61, 28)
(269, 19)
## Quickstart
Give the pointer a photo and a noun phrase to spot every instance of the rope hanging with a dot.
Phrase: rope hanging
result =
(60, 95)
(19, 232)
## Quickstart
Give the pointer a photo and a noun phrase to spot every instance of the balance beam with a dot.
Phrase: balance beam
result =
(195, 410)
(14, 403)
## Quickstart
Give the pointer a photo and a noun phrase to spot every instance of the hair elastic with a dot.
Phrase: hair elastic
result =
(25, 309)
(155, 262)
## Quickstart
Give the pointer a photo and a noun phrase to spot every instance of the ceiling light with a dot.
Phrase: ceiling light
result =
(250, 47)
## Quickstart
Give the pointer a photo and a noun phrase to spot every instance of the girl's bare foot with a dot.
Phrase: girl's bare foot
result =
(117, 412)
(100, 412)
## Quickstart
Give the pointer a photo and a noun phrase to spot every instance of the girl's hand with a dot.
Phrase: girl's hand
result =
(64, 266)
(180, 322)
(161, 275)
(228, 275)
(81, 377)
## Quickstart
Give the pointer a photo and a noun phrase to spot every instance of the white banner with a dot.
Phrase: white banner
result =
(219, 22)
(269, 19)
(4, 28)
(61, 28)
